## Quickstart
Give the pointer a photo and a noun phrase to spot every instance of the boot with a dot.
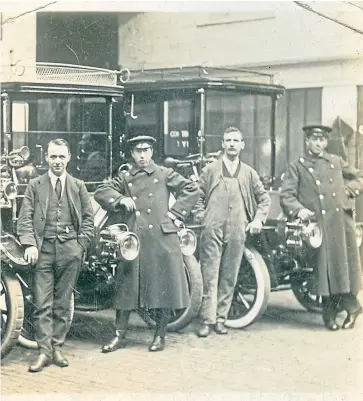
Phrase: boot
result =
(41, 362)
(203, 330)
(330, 304)
(122, 320)
(158, 343)
(116, 343)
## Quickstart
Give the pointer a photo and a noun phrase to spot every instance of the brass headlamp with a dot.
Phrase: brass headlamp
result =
(188, 241)
(119, 243)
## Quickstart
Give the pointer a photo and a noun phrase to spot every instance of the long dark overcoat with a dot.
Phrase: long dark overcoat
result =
(326, 185)
(157, 279)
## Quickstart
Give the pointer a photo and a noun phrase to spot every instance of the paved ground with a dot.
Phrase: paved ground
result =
(287, 352)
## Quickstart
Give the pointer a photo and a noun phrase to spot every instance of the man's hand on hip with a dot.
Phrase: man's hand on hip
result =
(31, 254)
(254, 227)
(178, 223)
(128, 203)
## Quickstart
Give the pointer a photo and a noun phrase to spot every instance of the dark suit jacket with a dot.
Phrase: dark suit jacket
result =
(33, 211)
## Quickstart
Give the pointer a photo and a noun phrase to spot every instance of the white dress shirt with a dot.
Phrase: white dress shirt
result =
(54, 178)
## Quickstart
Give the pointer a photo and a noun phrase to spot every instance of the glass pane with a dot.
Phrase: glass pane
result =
(146, 121)
(252, 114)
(63, 114)
(80, 121)
(178, 119)
(88, 155)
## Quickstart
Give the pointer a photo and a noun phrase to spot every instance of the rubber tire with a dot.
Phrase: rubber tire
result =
(262, 276)
(26, 340)
(196, 289)
(15, 311)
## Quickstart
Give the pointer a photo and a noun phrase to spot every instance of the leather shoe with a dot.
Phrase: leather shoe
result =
(116, 343)
(331, 324)
(220, 328)
(203, 330)
(42, 361)
(59, 359)
(349, 321)
(158, 344)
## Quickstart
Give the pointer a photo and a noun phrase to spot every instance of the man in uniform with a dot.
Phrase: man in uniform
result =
(321, 186)
(55, 225)
(232, 202)
(157, 279)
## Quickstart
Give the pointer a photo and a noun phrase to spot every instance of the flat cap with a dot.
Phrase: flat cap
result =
(141, 141)
(317, 130)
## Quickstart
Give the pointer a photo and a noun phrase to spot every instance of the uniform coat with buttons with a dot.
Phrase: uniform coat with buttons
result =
(326, 185)
(157, 279)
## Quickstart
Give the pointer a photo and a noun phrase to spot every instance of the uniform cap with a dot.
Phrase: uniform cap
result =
(141, 141)
(317, 130)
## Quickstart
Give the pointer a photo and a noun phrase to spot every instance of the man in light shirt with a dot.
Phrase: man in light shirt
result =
(232, 202)
(55, 226)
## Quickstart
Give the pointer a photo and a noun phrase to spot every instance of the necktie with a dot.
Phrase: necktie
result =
(58, 188)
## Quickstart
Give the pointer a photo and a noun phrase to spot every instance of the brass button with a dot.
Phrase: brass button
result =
(330, 180)
(149, 211)
(301, 159)
(151, 195)
(323, 212)
(357, 192)
(137, 213)
(321, 196)
(111, 200)
(311, 170)
(184, 212)
(134, 197)
(130, 184)
(151, 226)
(317, 182)
(291, 212)
(333, 194)
(156, 180)
(332, 166)
(337, 209)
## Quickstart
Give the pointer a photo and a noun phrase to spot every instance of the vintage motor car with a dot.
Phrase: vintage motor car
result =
(85, 106)
(186, 110)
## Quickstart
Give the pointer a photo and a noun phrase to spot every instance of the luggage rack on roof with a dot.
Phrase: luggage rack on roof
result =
(64, 74)
(191, 73)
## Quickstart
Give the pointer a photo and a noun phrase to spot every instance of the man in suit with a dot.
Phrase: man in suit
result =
(322, 186)
(55, 225)
(232, 202)
(157, 280)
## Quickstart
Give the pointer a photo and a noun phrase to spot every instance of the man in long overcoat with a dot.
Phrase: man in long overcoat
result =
(321, 186)
(157, 279)
(55, 226)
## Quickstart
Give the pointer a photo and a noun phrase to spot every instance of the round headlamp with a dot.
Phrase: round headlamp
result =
(127, 243)
(313, 235)
(10, 190)
(188, 241)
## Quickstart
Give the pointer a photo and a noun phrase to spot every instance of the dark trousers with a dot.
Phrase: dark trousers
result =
(333, 303)
(122, 320)
(54, 279)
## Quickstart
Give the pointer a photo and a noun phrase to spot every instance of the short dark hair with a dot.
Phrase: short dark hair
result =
(232, 129)
(59, 142)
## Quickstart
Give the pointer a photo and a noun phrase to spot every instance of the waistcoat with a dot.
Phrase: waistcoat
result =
(58, 223)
